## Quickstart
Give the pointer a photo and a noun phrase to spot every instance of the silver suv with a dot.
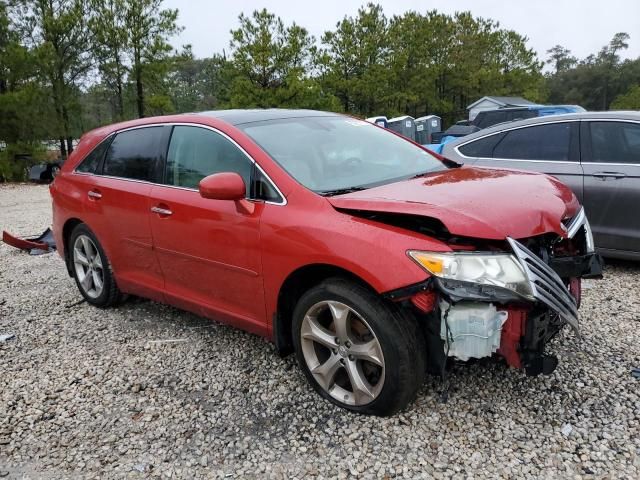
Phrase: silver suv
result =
(596, 154)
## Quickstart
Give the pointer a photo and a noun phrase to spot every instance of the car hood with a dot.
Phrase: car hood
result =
(474, 202)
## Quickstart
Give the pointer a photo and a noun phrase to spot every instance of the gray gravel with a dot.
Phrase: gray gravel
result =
(88, 393)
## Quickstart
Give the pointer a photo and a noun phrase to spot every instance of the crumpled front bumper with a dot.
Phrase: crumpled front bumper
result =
(548, 284)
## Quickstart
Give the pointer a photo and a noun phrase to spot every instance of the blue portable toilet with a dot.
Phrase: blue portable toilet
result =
(381, 121)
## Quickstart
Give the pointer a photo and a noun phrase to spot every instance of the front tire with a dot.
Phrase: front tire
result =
(358, 351)
(91, 268)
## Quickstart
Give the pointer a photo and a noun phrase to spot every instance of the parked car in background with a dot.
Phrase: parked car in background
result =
(489, 118)
(44, 172)
(596, 154)
(369, 257)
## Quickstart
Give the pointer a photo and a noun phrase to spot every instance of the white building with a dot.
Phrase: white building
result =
(491, 103)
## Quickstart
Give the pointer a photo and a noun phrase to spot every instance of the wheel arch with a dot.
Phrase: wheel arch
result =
(295, 285)
(67, 228)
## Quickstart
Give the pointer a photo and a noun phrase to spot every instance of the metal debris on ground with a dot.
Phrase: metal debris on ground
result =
(4, 337)
(140, 467)
(169, 340)
(43, 243)
(635, 372)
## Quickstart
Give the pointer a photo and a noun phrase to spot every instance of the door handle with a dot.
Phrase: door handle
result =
(605, 175)
(161, 211)
(94, 194)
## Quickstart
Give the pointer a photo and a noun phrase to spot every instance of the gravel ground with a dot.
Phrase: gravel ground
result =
(86, 393)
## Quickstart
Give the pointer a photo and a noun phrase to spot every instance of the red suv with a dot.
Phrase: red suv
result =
(369, 257)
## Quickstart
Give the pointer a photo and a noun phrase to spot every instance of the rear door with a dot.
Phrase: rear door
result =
(118, 205)
(209, 250)
(551, 148)
(611, 162)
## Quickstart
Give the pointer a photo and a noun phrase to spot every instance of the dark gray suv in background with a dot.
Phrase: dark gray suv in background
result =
(596, 154)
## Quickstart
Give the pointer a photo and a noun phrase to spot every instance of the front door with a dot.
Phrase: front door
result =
(209, 250)
(611, 163)
(551, 148)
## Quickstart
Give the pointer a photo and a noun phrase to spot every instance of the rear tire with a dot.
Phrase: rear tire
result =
(357, 350)
(91, 268)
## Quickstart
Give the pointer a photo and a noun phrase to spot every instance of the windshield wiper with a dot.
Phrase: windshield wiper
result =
(341, 191)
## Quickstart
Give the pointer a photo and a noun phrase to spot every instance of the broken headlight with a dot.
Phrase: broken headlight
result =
(499, 270)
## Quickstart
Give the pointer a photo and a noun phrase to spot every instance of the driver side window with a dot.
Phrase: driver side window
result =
(195, 153)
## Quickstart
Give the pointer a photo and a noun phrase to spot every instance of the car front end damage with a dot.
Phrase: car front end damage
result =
(509, 298)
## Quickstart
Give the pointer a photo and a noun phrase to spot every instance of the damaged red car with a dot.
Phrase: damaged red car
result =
(369, 257)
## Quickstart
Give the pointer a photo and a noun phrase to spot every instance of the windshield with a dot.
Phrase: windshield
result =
(332, 154)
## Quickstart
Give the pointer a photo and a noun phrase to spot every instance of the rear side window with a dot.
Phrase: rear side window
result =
(92, 161)
(195, 153)
(482, 147)
(615, 142)
(540, 142)
(135, 154)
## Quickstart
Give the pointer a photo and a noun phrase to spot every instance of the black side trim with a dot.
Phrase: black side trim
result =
(584, 266)
(405, 292)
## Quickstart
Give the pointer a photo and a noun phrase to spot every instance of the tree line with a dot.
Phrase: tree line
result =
(67, 66)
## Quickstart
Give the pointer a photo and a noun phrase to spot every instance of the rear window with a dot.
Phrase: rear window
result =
(135, 154)
(92, 161)
(615, 142)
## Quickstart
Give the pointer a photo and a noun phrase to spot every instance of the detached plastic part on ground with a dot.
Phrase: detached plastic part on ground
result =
(45, 243)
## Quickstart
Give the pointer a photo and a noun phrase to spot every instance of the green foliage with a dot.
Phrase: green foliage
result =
(56, 33)
(561, 59)
(355, 61)
(272, 64)
(198, 84)
(67, 66)
(16, 159)
(595, 81)
(111, 40)
(26, 114)
(149, 28)
(629, 100)
(424, 63)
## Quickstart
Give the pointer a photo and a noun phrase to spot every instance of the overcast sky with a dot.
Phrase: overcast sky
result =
(583, 26)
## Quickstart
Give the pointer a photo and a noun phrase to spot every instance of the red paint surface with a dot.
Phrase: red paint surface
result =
(474, 202)
(21, 243)
(512, 332)
(424, 301)
(228, 259)
(223, 186)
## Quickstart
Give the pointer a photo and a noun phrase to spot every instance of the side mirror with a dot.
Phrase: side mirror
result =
(223, 186)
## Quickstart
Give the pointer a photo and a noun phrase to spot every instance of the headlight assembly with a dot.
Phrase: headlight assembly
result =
(499, 270)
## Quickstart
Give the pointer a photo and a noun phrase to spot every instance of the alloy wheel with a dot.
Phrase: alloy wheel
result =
(342, 353)
(88, 266)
